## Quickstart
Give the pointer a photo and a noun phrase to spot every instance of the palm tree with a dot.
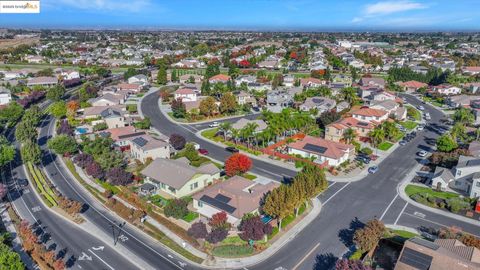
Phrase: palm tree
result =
(250, 129)
(458, 131)
(376, 136)
(225, 127)
(349, 94)
(349, 135)
(236, 133)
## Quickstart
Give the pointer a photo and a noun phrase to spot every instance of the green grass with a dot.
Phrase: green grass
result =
(162, 238)
(50, 201)
(357, 255)
(404, 234)
(191, 216)
(158, 200)
(384, 146)
(233, 240)
(412, 112)
(413, 189)
(108, 186)
(274, 232)
(232, 251)
(249, 176)
(209, 133)
(409, 125)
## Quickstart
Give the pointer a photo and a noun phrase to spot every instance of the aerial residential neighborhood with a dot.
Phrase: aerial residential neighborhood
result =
(301, 136)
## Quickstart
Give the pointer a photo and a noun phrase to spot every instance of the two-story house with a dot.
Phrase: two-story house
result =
(185, 94)
(464, 178)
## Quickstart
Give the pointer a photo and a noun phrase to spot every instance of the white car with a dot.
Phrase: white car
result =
(422, 153)
(420, 127)
(214, 124)
(421, 108)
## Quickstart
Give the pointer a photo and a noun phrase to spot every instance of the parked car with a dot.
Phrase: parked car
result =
(422, 153)
(421, 108)
(196, 145)
(402, 142)
(420, 127)
(214, 124)
(364, 159)
(203, 151)
(373, 169)
(428, 117)
(232, 149)
(22, 182)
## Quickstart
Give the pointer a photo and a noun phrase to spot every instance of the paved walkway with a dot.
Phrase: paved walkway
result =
(401, 191)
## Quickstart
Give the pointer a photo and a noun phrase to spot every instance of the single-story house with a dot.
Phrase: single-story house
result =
(243, 122)
(185, 94)
(322, 150)
(236, 196)
(42, 81)
(219, 78)
(177, 178)
(370, 115)
(322, 104)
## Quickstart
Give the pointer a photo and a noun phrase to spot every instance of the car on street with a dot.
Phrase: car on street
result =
(214, 124)
(422, 153)
(420, 127)
(373, 169)
(428, 117)
(203, 151)
(402, 142)
(421, 108)
(232, 149)
(22, 182)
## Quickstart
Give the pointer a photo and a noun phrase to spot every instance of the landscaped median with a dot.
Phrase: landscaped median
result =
(43, 188)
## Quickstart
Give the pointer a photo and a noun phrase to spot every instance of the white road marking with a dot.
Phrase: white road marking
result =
(85, 257)
(123, 238)
(418, 214)
(98, 248)
(388, 207)
(306, 256)
(436, 223)
(98, 257)
(399, 215)
(170, 256)
(334, 194)
(36, 209)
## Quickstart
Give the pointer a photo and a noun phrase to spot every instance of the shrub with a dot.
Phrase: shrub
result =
(366, 151)
(82, 160)
(100, 126)
(367, 238)
(94, 170)
(119, 177)
(219, 221)
(237, 164)
(177, 208)
(253, 228)
(177, 141)
(198, 230)
(457, 204)
(216, 235)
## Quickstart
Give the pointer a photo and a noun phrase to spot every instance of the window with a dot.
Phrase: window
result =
(478, 184)
(194, 186)
(457, 183)
(459, 172)
(200, 204)
(163, 186)
(172, 190)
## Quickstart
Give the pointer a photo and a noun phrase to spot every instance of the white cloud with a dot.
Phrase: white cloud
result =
(389, 7)
(107, 5)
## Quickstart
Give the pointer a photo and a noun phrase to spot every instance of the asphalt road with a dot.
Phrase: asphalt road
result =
(345, 205)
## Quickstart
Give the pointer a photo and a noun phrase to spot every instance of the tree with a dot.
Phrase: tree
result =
(130, 73)
(94, 169)
(253, 228)
(208, 107)
(326, 118)
(58, 109)
(31, 152)
(349, 94)
(174, 76)
(100, 126)
(65, 128)
(216, 235)
(198, 230)
(346, 264)
(190, 152)
(349, 135)
(178, 108)
(228, 103)
(377, 135)
(237, 164)
(176, 208)
(276, 205)
(9, 259)
(72, 107)
(464, 116)
(119, 177)
(32, 115)
(162, 75)
(63, 144)
(11, 114)
(55, 93)
(143, 124)
(367, 238)
(83, 159)
(219, 221)
(177, 141)
(212, 70)
(446, 143)
(25, 131)
(7, 151)
(225, 127)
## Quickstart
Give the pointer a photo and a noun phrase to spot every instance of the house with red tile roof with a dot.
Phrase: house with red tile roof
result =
(335, 153)
(335, 131)
(311, 82)
(185, 94)
(370, 115)
(471, 70)
(219, 78)
(412, 86)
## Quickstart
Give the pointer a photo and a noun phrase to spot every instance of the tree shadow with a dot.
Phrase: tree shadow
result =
(346, 235)
(325, 261)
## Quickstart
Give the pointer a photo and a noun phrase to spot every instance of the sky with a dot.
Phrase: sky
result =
(286, 15)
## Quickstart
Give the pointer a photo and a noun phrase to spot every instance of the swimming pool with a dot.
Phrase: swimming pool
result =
(81, 130)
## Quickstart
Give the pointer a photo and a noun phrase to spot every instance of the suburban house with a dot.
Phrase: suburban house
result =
(69, 75)
(392, 108)
(5, 96)
(146, 147)
(95, 111)
(288, 80)
(335, 131)
(114, 118)
(372, 81)
(461, 100)
(236, 196)
(219, 78)
(322, 104)
(244, 97)
(442, 254)
(122, 136)
(412, 86)
(446, 89)
(188, 78)
(278, 100)
(474, 149)
(176, 178)
(472, 87)
(129, 87)
(471, 70)
(42, 81)
(185, 94)
(464, 178)
(243, 122)
(335, 153)
(370, 115)
(311, 82)
(139, 79)
(107, 99)
(245, 79)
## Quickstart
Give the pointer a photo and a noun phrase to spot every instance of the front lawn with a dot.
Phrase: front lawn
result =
(412, 112)
(229, 251)
(210, 133)
(413, 189)
(384, 146)
(249, 176)
(409, 125)
(191, 216)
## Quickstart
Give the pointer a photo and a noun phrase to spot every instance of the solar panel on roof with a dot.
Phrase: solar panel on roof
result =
(222, 198)
(362, 124)
(474, 162)
(416, 259)
(131, 135)
(425, 243)
(315, 148)
(218, 204)
(140, 141)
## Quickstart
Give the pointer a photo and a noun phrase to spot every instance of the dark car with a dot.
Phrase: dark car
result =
(203, 151)
(364, 159)
(23, 182)
(232, 149)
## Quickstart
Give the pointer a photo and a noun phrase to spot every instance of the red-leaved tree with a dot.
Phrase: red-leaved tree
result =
(219, 221)
(237, 164)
